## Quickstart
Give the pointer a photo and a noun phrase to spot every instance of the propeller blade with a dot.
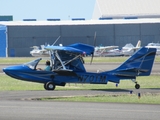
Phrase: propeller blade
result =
(92, 58)
(94, 44)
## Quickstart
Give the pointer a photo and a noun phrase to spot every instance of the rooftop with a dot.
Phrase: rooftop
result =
(125, 8)
(85, 22)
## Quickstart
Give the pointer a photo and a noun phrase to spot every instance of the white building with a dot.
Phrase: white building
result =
(119, 9)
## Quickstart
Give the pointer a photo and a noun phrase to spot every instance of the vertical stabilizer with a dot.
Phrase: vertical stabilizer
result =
(140, 64)
(138, 44)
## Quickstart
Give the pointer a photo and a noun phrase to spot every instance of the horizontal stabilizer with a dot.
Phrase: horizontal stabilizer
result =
(130, 72)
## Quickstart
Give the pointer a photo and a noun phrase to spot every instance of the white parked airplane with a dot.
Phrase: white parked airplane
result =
(107, 51)
(36, 52)
(129, 49)
(154, 45)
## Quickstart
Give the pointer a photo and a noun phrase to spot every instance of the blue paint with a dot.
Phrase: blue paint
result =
(3, 40)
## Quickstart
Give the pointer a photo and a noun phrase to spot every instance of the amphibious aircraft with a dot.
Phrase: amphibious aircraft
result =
(68, 67)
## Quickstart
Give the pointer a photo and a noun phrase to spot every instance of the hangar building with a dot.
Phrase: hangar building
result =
(17, 37)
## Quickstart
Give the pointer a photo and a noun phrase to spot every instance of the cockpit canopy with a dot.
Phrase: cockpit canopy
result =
(33, 64)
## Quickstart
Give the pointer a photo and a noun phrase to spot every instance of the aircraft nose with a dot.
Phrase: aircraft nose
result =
(11, 69)
(4, 70)
(15, 69)
(7, 69)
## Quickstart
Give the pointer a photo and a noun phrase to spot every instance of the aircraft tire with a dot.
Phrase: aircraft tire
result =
(49, 86)
(137, 86)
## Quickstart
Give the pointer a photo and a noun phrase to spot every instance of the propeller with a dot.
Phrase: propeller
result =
(94, 44)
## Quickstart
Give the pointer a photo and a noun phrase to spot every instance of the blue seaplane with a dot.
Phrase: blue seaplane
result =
(67, 66)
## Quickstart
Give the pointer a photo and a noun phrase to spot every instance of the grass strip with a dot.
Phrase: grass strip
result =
(112, 98)
(7, 84)
(151, 82)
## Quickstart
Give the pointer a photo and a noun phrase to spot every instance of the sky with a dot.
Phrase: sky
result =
(47, 9)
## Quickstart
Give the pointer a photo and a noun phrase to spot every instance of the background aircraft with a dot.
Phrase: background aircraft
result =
(68, 67)
(110, 51)
(36, 52)
(107, 51)
(129, 49)
(154, 45)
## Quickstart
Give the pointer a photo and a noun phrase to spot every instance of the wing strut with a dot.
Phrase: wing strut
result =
(57, 56)
(69, 61)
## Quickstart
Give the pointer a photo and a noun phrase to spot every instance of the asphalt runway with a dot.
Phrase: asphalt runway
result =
(22, 105)
(19, 105)
(39, 110)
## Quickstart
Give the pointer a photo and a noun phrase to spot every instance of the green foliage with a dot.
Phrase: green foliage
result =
(8, 83)
(114, 98)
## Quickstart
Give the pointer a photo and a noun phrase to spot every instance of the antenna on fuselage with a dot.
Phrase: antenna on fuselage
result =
(56, 40)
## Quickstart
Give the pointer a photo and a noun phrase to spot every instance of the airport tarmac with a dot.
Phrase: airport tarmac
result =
(19, 105)
(40, 110)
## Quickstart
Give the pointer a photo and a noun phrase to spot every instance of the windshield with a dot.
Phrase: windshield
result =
(33, 63)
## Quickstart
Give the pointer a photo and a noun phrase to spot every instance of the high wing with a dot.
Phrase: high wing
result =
(60, 48)
(78, 48)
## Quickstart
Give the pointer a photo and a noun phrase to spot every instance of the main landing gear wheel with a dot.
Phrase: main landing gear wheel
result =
(137, 86)
(49, 86)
